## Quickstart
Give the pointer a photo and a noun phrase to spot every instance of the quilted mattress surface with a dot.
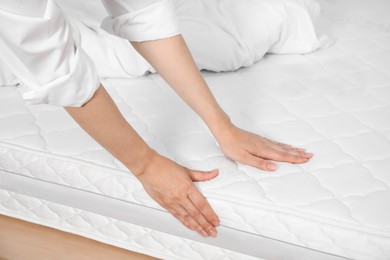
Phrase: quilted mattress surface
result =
(334, 102)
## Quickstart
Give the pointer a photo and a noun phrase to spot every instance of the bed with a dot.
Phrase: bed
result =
(335, 102)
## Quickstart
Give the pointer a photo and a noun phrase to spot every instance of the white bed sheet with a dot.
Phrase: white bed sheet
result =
(335, 102)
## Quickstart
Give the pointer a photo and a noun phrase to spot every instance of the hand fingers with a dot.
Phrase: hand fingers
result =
(196, 216)
(203, 206)
(260, 163)
(282, 156)
(292, 151)
(184, 217)
(196, 213)
(203, 175)
(279, 154)
(289, 148)
(299, 152)
(281, 144)
(285, 145)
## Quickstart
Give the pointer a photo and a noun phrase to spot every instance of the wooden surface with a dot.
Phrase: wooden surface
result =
(21, 240)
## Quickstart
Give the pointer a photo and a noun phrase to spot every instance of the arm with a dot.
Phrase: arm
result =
(172, 59)
(168, 183)
(154, 33)
(44, 56)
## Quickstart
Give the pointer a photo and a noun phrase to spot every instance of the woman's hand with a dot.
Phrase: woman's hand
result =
(257, 151)
(171, 186)
(166, 182)
(172, 59)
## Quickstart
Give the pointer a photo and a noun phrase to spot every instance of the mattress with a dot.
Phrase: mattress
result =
(334, 102)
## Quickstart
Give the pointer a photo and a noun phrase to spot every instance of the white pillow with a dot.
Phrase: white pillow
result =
(7, 78)
(298, 34)
(225, 35)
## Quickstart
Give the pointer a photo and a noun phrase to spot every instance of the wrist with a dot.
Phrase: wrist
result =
(139, 163)
(221, 126)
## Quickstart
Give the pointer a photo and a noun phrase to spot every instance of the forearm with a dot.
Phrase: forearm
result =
(173, 61)
(168, 183)
(102, 120)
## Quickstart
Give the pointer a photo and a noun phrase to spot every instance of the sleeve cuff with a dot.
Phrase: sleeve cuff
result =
(154, 22)
(71, 90)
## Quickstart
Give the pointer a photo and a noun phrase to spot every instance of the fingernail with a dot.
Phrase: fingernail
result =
(213, 233)
(310, 154)
(215, 170)
(215, 223)
(204, 233)
(271, 166)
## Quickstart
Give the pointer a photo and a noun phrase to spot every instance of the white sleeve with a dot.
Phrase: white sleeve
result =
(37, 44)
(141, 20)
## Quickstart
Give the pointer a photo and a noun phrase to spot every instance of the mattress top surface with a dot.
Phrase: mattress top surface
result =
(334, 102)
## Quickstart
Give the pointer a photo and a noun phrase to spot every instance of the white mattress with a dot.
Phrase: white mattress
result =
(335, 102)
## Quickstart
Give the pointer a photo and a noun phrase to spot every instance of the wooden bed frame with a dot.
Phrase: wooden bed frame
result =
(23, 240)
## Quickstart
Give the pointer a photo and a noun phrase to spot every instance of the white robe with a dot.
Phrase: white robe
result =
(41, 48)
